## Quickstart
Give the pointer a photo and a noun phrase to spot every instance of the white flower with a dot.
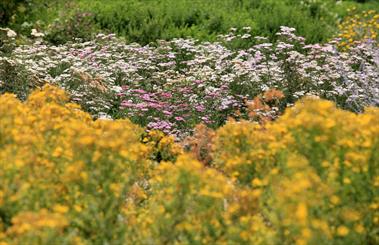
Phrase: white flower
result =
(35, 33)
(376, 58)
(11, 33)
(117, 89)
(246, 36)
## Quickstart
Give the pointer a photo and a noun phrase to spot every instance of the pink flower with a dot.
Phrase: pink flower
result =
(140, 91)
(140, 106)
(127, 104)
(155, 105)
(166, 95)
(206, 119)
(179, 118)
(200, 108)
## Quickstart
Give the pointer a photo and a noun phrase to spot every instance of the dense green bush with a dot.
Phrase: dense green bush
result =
(79, 25)
(14, 78)
(144, 21)
(8, 8)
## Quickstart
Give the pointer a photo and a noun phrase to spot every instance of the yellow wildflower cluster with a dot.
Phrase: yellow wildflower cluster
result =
(60, 169)
(161, 147)
(317, 167)
(37, 226)
(358, 27)
(192, 204)
(310, 177)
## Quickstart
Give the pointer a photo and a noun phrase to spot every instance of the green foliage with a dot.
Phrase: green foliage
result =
(15, 79)
(8, 8)
(145, 21)
(80, 25)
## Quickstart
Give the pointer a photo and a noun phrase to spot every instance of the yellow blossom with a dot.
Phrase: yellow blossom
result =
(342, 230)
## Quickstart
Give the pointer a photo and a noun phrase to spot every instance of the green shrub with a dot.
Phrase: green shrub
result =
(14, 78)
(145, 21)
(8, 8)
(80, 25)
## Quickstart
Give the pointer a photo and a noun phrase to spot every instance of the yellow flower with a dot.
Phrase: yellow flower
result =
(244, 235)
(78, 208)
(346, 181)
(351, 215)
(374, 206)
(302, 212)
(358, 27)
(116, 188)
(335, 200)
(306, 233)
(60, 209)
(257, 182)
(1, 197)
(342, 230)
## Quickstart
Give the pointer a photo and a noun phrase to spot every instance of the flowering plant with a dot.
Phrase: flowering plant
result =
(178, 84)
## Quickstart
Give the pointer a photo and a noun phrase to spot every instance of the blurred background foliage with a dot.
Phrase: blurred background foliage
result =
(145, 21)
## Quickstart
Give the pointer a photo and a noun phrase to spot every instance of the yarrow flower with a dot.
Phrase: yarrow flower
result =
(37, 34)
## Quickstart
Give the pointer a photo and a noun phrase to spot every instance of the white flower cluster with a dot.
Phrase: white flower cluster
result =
(169, 80)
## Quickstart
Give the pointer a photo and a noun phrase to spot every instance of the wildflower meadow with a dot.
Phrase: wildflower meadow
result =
(189, 122)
